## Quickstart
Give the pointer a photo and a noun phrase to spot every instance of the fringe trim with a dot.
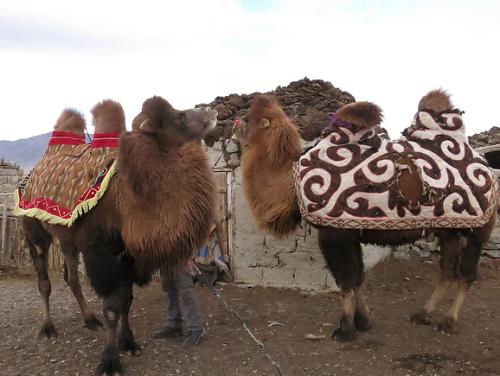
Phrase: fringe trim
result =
(79, 210)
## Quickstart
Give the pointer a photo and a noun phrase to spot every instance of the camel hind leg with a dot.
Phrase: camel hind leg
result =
(466, 275)
(460, 251)
(38, 241)
(450, 256)
(72, 279)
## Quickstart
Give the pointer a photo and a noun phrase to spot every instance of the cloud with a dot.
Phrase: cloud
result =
(23, 34)
(58, 53)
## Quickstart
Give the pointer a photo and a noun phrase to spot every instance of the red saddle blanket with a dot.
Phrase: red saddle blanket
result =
(70, 178)
(353, 180)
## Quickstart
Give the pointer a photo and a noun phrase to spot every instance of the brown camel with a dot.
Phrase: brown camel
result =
(271, 171)
(158, 207)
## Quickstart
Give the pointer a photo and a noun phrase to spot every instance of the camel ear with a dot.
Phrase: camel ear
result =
(149, 126)
(264, 123)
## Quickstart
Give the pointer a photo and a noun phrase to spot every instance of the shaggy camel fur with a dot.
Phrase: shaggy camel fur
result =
(271, 147)
(158, 207)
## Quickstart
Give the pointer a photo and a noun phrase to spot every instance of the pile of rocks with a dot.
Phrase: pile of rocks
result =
(486, 138)
(307, 102)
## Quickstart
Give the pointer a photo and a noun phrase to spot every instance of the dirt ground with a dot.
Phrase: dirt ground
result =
(281, 319)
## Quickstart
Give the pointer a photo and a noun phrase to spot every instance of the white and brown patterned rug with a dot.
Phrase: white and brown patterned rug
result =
(352, 180)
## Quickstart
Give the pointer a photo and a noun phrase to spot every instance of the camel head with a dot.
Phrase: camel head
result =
(267, 127)
(171, 127)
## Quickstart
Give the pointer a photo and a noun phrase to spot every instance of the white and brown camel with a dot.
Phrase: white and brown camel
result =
(357, 187)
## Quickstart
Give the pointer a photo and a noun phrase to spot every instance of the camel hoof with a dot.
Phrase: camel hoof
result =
(109, 363)
(92, 323)
(136, 352)
(48, 331)
(128, 345)
(420, 318)
(447, 325)
(342, 336)
(361, 322)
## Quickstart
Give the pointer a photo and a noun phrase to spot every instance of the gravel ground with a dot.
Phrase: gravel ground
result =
(281, 319)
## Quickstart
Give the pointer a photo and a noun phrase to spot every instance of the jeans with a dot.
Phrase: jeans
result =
(182, 300)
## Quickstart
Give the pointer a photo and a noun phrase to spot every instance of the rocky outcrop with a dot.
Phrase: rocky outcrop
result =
(308, 103)
(486, 138)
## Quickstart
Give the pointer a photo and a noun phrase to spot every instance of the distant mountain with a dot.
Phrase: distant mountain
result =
(25, 152)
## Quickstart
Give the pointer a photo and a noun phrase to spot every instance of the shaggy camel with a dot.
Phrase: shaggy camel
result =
(158, 207)
(271, 151)
(68, 138)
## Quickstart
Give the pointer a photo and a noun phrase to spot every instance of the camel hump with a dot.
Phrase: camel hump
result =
(156, 106)
(436, 100)
(70, 120)
(363, 115)
(108, 117)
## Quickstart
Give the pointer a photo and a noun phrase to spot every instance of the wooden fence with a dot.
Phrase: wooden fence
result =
(14, 253)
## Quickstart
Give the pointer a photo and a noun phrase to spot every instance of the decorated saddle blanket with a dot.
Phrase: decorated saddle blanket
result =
(69, 179)
(429, 178)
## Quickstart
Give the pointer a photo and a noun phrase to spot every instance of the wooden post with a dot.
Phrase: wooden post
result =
(4, 223)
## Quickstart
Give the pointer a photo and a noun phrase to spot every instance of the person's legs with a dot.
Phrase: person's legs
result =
(190, 309)
(174, 315)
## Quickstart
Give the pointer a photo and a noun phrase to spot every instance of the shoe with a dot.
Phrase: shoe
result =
(167, 332)
(193, 337)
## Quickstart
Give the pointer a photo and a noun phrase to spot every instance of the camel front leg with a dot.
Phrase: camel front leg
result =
(361, 314)
(342, 253)
(347, 330)
(109, 363)
(126, 340)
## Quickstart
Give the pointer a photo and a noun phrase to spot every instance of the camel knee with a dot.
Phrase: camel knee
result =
(44, 287)
(467, 268)
(468, 274)
(74, 285)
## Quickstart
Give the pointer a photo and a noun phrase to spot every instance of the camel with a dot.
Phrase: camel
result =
(158, 207)
(284, 186)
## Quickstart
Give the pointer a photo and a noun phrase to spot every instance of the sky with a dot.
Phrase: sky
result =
(59, 54)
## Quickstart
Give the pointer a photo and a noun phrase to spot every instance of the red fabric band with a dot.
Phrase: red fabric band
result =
(66, 138)
(105, 139)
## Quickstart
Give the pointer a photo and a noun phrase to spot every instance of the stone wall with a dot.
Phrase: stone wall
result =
(296, 261)
(12, 253)
(259, 259)
(10, 176)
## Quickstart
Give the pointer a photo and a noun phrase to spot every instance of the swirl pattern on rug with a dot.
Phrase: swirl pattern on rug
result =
(429, 178)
